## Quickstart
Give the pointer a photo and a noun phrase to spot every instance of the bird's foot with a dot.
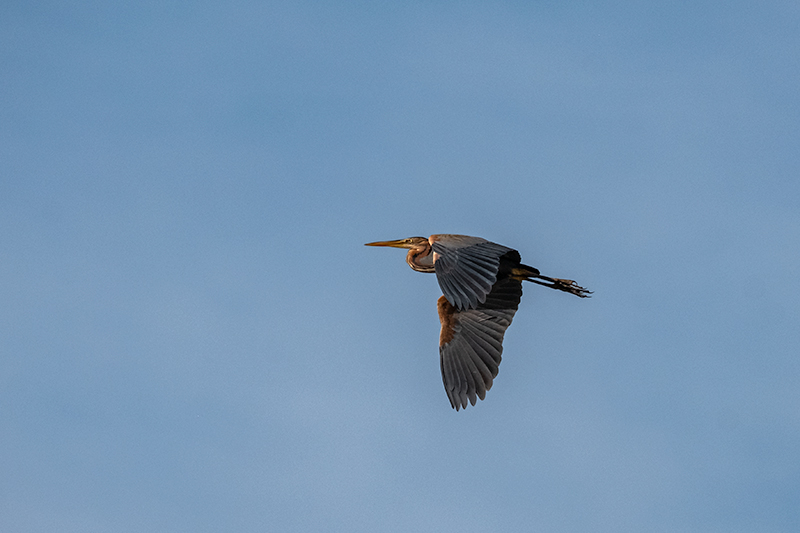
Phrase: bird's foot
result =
(567, 285)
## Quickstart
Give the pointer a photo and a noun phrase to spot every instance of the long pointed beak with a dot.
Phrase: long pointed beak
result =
(399, 243)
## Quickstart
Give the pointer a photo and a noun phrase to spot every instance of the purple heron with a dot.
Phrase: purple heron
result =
(482, 286)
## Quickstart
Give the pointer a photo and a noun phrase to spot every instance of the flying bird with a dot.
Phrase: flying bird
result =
(482, 286)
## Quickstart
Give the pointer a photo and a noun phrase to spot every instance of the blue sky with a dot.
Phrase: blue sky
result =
(194, 337)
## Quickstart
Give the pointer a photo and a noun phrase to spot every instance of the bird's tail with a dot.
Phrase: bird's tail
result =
(528, 273)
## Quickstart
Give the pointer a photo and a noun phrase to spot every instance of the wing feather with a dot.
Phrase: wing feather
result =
(460, 386)
(449, 375)
(472, 342)
(466, 268)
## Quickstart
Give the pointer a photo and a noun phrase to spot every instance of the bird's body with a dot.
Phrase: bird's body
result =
(481, 282)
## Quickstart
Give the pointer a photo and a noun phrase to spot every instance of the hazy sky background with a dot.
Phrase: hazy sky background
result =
(194, 338)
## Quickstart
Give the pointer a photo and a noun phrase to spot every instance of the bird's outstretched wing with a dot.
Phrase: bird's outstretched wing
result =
(467, 267)
(471, 342)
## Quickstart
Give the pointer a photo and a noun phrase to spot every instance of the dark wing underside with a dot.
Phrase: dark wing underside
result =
(467, 267)
(471, 342)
